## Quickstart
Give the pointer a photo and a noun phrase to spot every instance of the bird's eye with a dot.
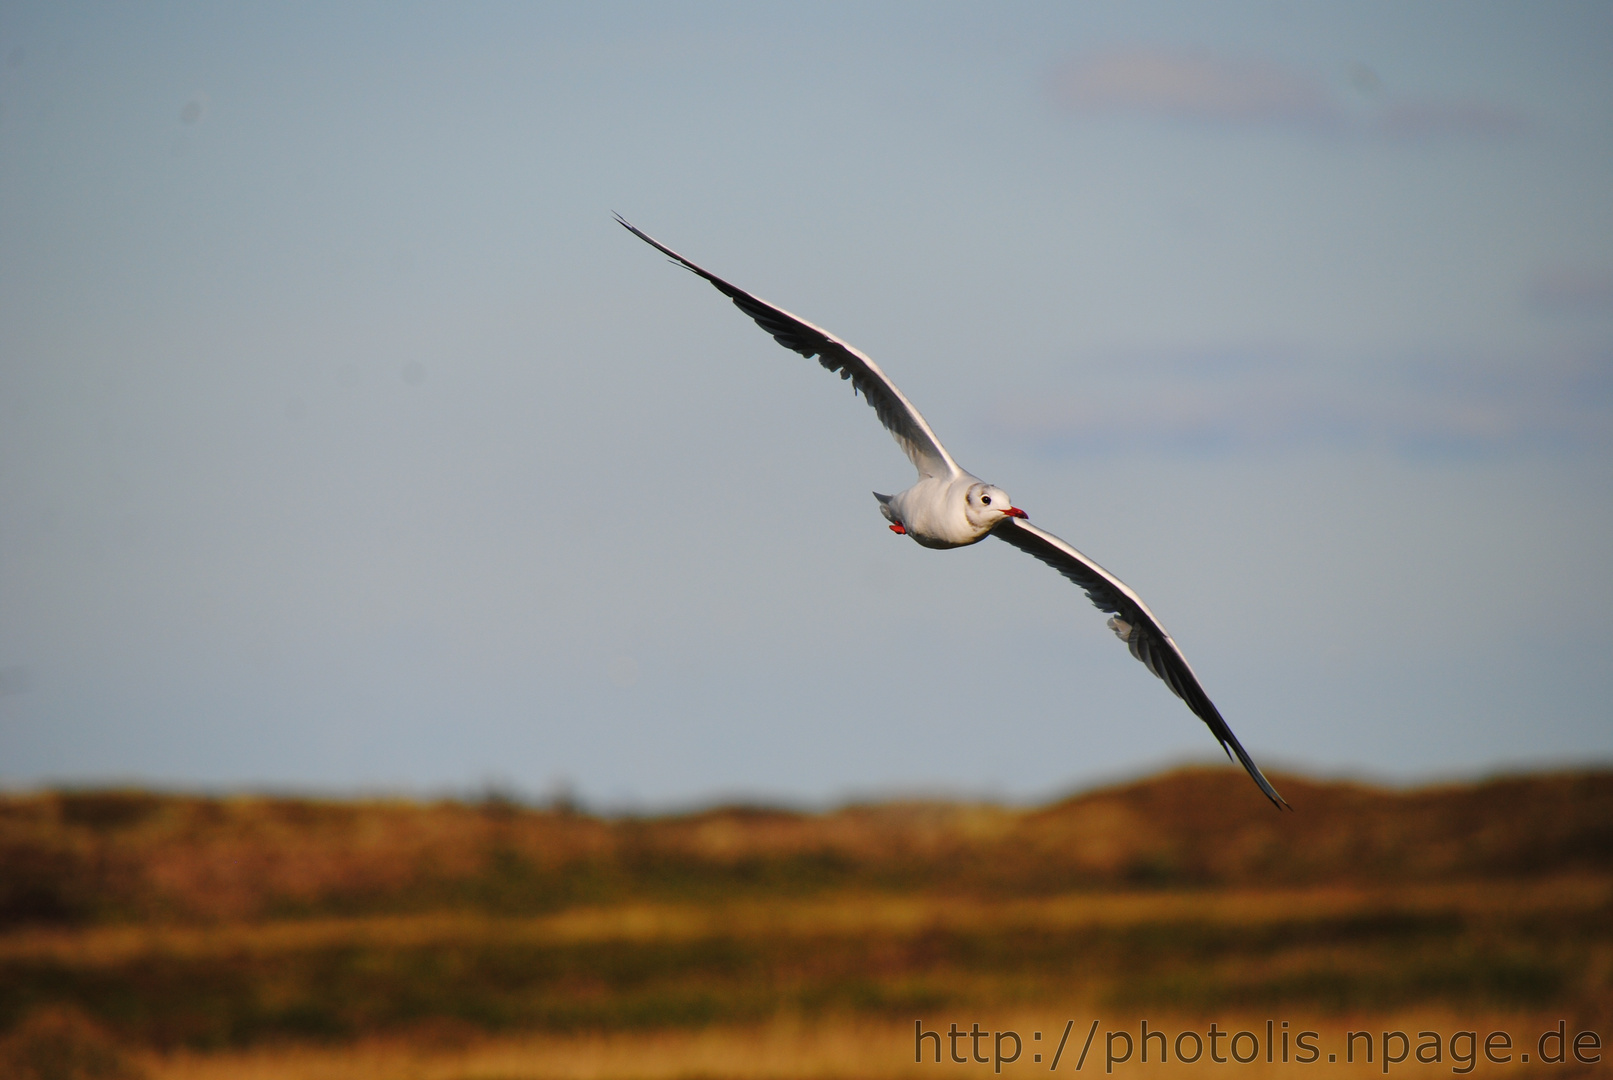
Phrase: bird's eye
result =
(985, 500)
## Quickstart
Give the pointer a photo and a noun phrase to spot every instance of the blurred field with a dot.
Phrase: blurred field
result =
(194, 937)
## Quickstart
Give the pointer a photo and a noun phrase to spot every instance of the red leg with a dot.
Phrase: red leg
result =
(897, 528)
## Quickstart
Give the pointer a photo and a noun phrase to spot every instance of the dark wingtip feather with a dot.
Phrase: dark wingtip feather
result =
(1260, 780)
(1230, 744)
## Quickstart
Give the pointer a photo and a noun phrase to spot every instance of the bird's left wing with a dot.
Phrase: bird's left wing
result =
(1134, 624)
(898, 415)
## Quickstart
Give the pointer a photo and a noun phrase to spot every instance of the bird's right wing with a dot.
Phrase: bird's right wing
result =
(898, 415)
(1134, 624)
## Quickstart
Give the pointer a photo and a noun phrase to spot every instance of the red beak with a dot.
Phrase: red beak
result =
(1014, 511)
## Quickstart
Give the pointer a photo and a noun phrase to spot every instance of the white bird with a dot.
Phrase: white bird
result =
(949, 507)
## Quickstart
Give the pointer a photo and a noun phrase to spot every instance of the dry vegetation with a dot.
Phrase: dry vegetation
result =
(288, 936)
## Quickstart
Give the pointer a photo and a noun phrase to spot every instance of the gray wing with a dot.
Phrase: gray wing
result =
(1134, 624)
(903, 421)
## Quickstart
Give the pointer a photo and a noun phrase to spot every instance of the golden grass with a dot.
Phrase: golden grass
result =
(841, 1048)
(279, 937)
(97, 857)
(850, 915)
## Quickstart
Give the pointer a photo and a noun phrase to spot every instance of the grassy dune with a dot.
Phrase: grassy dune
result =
(262, 933)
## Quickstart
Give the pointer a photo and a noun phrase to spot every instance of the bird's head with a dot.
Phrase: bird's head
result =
(985, 505)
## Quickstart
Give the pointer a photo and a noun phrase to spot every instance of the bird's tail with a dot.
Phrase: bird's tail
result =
(885, 506)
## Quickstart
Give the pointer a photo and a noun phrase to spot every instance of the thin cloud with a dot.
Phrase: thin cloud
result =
(1572, 290)
(1168, 405)
(1428, 120)
(1192, 87)
(1202, 88)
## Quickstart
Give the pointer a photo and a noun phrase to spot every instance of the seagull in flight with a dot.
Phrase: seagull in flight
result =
(949, 507)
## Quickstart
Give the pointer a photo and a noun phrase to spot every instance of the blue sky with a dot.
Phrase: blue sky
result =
(347, 444)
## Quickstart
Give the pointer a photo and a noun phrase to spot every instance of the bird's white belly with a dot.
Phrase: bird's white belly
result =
(932, 513)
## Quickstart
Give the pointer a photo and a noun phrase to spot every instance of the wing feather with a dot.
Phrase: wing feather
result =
(898, 415)
(1146, 638)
